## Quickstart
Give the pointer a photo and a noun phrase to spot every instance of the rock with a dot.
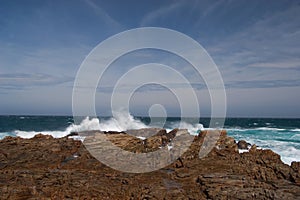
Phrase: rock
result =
(178, 163)
(3, 154)
(44, 167)
(172, 133)
(147, 132)
(296, 166)
(41, 136)
(253, 148)
(242, 144)
(72, 134)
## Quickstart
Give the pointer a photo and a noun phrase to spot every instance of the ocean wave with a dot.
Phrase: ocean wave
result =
(287, 151)
(4, 134)
(296, 130)
(86, 124)
(255, 129)
(296, 136)
(121, 121)
(269, 129)
(31, 134)
(192, 128)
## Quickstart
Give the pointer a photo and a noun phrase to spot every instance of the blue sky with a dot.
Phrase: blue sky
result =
(255, 44)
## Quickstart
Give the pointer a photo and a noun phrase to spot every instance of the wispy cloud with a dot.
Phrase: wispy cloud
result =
(21, 81)
(201, 86)
(256, 45)
(104, 15)
(286, 64)
(166, 11)
(263, 84)
(268, 49)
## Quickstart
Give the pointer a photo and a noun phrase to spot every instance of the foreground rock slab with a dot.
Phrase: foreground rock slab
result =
(47, 168)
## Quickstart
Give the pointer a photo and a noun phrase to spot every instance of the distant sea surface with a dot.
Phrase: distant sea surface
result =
(280, 135)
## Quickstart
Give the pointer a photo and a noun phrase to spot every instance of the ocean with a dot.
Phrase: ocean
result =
(280, 135)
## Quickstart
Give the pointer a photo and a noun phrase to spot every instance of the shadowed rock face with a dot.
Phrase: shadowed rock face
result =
(45, 167)
(243, 144)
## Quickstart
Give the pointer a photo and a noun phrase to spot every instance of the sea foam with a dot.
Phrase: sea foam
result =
(121, 121)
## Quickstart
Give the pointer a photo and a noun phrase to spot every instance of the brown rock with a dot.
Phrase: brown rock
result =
(253, 148)
(49, 168)
(242, 144)
(296, 166)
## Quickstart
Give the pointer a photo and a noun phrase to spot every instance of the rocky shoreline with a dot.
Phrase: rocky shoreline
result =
(44, 167)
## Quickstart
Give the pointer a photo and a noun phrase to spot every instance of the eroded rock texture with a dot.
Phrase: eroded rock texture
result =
(47, 168)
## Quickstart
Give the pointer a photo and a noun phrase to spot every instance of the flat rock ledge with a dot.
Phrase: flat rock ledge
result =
(44, 167)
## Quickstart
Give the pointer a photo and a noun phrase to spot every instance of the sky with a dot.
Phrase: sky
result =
(255, 45)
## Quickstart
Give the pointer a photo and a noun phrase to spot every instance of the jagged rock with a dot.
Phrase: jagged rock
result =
(253, 148)
(242, 144)
(147, 132)
(72, 134)
(44, 167)
(296, 166)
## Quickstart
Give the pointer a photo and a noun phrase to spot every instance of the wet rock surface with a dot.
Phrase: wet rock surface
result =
(47, 168)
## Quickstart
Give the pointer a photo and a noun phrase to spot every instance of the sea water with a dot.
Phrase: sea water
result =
(280, 135)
